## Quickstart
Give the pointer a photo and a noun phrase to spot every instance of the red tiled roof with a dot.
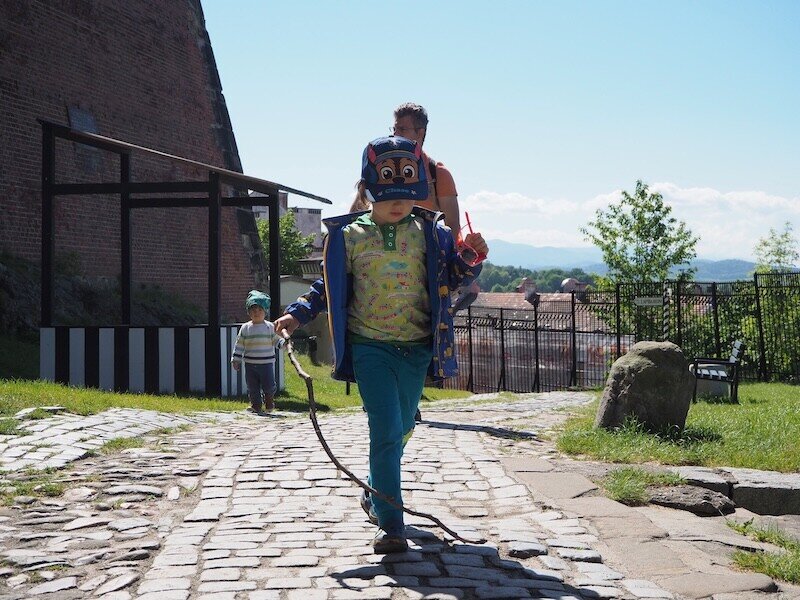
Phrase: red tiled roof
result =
(554, 310)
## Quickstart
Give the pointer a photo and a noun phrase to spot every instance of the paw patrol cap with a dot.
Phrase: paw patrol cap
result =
(392, 168)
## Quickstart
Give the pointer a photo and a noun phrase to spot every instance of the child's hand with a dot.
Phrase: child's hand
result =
(236, 365)
(477, 243)
(286, 323)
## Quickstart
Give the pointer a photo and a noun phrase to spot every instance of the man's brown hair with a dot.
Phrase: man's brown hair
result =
(417, 112)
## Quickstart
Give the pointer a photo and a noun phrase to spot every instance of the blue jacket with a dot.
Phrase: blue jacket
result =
(446, 272)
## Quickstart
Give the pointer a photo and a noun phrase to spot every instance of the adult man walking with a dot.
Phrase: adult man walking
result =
(411, 121)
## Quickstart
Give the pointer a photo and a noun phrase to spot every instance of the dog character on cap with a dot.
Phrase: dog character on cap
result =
(392, 169)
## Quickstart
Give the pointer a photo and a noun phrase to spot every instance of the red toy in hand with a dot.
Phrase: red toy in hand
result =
(467, 253)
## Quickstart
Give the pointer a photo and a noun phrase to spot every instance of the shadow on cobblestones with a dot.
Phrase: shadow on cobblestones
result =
(500, 432)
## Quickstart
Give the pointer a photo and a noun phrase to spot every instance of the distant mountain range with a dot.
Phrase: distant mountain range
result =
(591, 260)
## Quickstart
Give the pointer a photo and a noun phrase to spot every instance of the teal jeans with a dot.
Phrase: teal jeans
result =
(390, 380)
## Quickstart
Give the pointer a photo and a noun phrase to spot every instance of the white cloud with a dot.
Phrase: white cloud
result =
(728, 224)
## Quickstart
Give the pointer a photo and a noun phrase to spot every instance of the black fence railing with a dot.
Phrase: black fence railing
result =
(570, 340)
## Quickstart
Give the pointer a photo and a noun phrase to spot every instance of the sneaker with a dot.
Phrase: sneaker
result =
(418, 416)
(391, 541)
(366, 504)
(255, 409)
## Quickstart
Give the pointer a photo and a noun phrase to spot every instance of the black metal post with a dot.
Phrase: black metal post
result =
(48, 224)
(470, 380)
(536, 382)
(762, 355)
(125, 238)
(273, 205)
(619, 321)
(679, 320)
(501, 382)
(715, 313)
(213, 339)
(573, 376)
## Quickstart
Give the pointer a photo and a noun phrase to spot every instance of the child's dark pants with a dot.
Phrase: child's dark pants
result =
(260, 379)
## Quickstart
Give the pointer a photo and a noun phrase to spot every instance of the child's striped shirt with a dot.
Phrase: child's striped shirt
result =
(256, 343)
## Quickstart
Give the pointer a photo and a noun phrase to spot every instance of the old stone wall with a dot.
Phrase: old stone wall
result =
(137, 70)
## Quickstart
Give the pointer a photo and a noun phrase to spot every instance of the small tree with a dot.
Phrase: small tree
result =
(777, 251)
(639, 238)
(294, 245)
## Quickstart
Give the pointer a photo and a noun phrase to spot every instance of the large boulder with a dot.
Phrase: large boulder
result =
(652, 383)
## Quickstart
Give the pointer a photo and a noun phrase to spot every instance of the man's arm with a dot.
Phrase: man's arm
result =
(449, 206)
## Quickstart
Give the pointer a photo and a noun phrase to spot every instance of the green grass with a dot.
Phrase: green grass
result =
(629, 485)
(119, 444)
(11, 427)
(759, 433)
(33, 483)
(37, 414)
(16, 394)
(784, 565)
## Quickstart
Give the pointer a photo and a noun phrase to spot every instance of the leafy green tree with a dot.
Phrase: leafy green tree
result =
(294, 245)
(639, 238)
(506, 279)
(777, 251)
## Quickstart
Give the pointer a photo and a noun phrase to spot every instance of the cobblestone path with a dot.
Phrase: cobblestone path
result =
(253, 509)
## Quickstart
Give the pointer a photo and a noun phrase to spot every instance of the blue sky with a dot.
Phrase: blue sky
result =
(543, 111)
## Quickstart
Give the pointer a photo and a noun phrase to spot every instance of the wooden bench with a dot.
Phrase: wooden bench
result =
(715, 369)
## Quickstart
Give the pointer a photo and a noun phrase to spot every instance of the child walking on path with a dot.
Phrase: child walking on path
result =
(255, 347)
(386, 284)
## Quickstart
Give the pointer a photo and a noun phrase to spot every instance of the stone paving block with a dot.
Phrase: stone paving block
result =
(221, 574)
(208, 587)
(117, 583)
(579, 555)
(166, 595)
(56, 585)
(163, 585)
(642, 588)
(600, 591)
(430, 593)
(501, 592)
(287, 583)
(699, 585)
(273, 594)
(235, 562)
(296, 561)
(375, 593)
(526, 549)
(311, 594)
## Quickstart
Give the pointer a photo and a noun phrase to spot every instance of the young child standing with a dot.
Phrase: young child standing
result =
(386, 287)
(255, 347)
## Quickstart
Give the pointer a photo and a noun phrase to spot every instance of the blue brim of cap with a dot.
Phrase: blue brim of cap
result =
(405, 191)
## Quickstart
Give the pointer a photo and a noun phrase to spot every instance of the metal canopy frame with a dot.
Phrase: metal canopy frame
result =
(212, 199)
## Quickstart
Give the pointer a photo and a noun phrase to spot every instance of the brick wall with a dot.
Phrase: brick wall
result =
(144, 72)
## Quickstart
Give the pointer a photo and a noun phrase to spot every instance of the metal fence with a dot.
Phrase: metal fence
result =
(570, 340)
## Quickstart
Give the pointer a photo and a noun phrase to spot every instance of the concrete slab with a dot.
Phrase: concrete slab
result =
(630, 526)
(685, 526)
(766, 492)
(647, 559)
(596, 506)
(521, 464)
(702, 585)
(711, 479)
(557, 485)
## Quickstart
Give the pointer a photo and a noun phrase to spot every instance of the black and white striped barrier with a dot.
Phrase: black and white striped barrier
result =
(155, 360)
